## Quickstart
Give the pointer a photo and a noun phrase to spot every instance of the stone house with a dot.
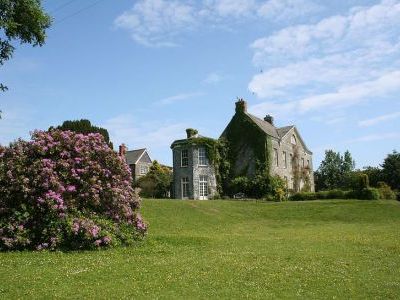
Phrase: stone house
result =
(255, 143)
(256, 140)
(193, 175)
(138, 160)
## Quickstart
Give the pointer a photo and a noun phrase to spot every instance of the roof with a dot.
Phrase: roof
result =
(133, 156)
(184, 141)
(265, 126)
(284, 130)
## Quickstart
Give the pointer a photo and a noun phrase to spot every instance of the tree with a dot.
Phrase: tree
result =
(335, 171)
(156, 183)
(374, 175)
(391, 170)
(84, 126)
(24, 21)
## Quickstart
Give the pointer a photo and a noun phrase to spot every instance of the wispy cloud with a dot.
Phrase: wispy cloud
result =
(155, 136)
(379, 119)
(339, 61)
(375, 137)
(179, 97)
(214, 78)
(157, 23)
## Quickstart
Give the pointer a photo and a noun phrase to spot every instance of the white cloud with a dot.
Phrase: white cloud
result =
(179, 97)
(155, 136)
(156, 23)
(375, 137)
(339, 61)
(287, 9)
(214, 78)
(379, 119)
(346, 95)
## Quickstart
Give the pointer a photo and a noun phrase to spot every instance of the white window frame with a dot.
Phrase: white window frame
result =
(284, 159)
(203, 161)
(144, 170)
(203, 187)
(185, 188)
(184, 158)
(276, 157)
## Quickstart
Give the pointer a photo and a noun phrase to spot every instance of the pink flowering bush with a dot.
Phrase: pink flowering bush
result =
(66, 190)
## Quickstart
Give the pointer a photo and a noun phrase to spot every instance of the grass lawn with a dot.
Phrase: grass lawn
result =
(229, 249)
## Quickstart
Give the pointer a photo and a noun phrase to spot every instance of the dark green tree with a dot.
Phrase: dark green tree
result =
(374, 174)
(156, 183)
(84, 126)
(21, 21)
(391, 170)
(335, 171)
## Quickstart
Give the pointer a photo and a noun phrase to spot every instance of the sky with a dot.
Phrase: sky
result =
(148, 69)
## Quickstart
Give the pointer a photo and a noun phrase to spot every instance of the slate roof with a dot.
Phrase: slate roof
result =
(265, 126)
(283, 130)
(133, 156)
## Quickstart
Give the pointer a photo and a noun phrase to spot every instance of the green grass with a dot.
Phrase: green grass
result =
(229, 249)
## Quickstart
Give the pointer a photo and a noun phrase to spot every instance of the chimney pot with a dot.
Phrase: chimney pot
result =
(241, 106)
(269, 119)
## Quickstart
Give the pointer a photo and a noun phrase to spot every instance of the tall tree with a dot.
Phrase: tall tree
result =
(21, 21)
(157, 182)
(334, 171)
(391, 170)
(85, 126)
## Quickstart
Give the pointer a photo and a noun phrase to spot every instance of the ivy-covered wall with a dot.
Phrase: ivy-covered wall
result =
(249, 147)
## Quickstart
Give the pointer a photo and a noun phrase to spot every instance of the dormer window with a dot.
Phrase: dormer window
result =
(203, 161)
(293, 140)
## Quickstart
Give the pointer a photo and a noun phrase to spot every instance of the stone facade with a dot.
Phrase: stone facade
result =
(138, 160)
(288, 155)
(193, 175)
(259, 140)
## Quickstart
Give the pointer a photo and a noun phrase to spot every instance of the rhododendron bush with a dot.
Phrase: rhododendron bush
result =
(66, 190)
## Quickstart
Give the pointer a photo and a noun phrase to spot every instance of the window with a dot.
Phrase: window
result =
(286, 181)
(143, 170)
(203, 185)
(293, 140)
(184, 158)
(276, 157)
(284, 159)
(185, 187)
(203, 157)
(308, 162)
(291, 160)
(302, 162)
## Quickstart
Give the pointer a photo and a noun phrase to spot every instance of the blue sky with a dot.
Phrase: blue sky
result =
(147, 70)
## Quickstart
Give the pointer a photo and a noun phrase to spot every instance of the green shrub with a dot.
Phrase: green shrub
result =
(364, 194)
(304, 196)
(385, 192)
(336, 194)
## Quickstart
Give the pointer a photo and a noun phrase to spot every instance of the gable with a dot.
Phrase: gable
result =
(145, 158)
(133, 156)
(293, 132)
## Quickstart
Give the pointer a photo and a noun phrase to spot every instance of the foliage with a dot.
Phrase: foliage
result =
(391, 170)
(85, 126)
(364, 194)
(361, 194)
(374, 175)
(66, 190)
(334, 171)
(191, 132)
(23, 21)
(385, 191)
(156, 183)
(260, 186)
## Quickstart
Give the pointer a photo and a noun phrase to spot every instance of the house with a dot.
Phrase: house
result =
(138, 160)
(193, 175)
(256, 141)
(256, 145)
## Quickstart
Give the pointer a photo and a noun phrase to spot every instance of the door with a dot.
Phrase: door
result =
(203, 187)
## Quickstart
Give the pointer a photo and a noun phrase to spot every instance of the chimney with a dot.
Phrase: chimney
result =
(241, 106)
(269, 119)
(191, 133)
(122, 150)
